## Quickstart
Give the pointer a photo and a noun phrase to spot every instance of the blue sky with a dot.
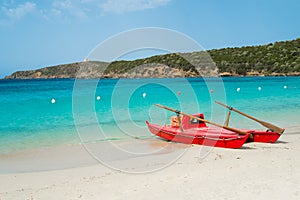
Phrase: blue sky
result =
(37, 34)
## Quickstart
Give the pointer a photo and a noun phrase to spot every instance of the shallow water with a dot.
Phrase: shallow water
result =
(28, 118)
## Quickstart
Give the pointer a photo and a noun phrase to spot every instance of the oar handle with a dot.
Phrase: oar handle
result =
(203, 120)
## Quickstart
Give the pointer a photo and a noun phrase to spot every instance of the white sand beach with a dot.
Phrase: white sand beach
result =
(257, 171)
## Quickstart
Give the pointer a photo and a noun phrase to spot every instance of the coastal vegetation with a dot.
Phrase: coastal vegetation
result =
(274, 59)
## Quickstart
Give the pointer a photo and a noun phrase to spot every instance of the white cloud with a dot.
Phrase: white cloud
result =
(18, 12)
(71, 10)
(62, 4)
(122, 6)
(87, 1)
(66, 11)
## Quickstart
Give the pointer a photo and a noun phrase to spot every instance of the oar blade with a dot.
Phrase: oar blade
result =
(272, 127)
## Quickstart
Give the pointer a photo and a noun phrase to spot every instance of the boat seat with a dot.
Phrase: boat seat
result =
(174, 121)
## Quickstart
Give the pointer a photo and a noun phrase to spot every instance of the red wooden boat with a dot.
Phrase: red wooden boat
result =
(192, 129)
(196, 132)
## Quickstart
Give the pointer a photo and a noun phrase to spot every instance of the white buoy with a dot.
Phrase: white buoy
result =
(144, 95)
(238, 89)
(98, 98)
(285, 87)
(259, 88)
(53, 101)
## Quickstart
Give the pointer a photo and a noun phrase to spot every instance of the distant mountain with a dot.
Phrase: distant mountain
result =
(274, 59)
(93, 69)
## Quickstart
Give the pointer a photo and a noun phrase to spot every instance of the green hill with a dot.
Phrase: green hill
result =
(279, 58)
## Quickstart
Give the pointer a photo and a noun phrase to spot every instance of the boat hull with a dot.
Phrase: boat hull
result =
(263, 136)
(205, 136)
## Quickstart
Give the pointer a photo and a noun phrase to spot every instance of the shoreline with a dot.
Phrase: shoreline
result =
(67, 156)
(81, 154)
(220, 76)
(29, 150)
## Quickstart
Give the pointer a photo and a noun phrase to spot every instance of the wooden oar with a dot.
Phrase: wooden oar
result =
(203, 120)
(265, 124)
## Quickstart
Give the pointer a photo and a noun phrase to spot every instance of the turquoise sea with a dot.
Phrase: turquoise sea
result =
(43, 113)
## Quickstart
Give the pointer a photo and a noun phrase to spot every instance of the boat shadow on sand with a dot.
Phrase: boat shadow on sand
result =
(258, 145)
(280, 142)
(247, 147)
